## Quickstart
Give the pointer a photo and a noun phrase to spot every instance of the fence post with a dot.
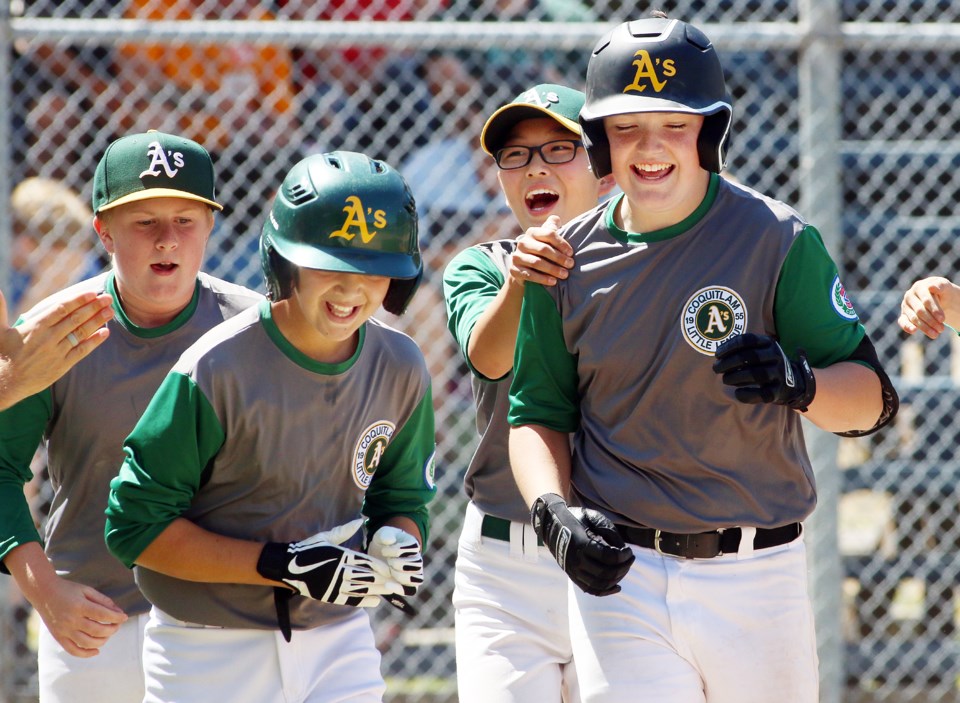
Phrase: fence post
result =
(820, 189)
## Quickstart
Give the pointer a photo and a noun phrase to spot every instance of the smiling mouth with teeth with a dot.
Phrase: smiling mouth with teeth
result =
(340, 310)
(541, 199)
(651, 170)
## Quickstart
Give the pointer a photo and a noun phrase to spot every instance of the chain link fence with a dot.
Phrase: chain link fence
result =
(410, 81)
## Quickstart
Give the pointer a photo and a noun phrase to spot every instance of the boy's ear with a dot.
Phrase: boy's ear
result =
(607, 184)
(103, 232)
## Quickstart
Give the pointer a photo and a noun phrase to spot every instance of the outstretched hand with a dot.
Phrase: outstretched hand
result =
(36, 353)
(929, 305)
(542, 255)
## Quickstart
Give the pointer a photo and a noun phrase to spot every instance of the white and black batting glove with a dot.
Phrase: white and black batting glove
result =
(761, 372)
(319, 568)
(585, 544)
(401, 552)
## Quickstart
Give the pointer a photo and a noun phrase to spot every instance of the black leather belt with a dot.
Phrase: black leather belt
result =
(706, 545)
(498, 528)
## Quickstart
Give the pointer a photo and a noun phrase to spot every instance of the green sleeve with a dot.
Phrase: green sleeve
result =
(470, 282)
(21, 431)
(403, 483)
(166, 455)
(811, 310)
(545, 381)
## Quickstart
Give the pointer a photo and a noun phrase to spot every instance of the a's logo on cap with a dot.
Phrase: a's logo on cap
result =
(647, 69)
(532, 97)
(158, 160)
(357, 218)
(369, 451)
(712, 315)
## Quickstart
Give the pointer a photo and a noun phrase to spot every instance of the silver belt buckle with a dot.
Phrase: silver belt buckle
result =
(656, 543)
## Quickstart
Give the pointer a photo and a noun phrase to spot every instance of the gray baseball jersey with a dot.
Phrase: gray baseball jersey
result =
(249, 438)
(84, 417)
(658, 439)
(471, 280)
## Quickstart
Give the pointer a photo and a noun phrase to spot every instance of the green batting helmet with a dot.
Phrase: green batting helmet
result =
(343, 211)
(656, 65)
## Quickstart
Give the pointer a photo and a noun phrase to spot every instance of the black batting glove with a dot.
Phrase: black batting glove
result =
(321, 569)
(761, 372)
(585, 544)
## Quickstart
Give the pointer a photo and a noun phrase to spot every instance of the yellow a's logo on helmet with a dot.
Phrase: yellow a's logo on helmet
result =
(646, 74)
(357, 219)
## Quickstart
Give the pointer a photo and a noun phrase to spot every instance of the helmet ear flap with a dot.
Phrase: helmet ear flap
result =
(712, 142)
(400, 293)
(594, 138)
(278, 273)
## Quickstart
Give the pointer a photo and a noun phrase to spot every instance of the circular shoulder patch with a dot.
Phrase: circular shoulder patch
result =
(710, 316)
(369, 451)
(841, 303)
(430, 470)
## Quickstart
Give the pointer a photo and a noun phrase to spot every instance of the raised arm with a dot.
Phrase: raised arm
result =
(36, 353)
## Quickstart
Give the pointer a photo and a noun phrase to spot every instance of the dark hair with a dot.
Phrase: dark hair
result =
(285, 273)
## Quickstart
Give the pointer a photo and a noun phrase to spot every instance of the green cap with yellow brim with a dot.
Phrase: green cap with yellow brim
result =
(153, 165)
(545, 100)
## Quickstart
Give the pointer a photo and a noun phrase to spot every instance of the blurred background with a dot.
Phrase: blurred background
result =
(846, 109)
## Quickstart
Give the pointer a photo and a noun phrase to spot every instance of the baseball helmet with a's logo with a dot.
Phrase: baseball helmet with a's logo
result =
(343, 211)
(656, 65)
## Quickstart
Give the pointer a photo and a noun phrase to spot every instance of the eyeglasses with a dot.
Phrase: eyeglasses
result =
(560, 151)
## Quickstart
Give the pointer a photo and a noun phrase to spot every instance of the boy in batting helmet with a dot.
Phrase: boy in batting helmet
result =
(512, 633)
(661, 386)
(154, 204)
(278, 482)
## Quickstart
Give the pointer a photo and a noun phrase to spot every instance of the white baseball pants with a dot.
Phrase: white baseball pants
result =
(113, 676)
(512, 634)
(188, 663)
(733, 629)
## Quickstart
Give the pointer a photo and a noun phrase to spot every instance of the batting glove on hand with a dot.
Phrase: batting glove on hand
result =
(321, 569)
(761, 372)
(401, 553)
(585, 544)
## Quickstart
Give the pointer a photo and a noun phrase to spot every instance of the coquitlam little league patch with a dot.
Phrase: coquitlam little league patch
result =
(370, 447)
(710, 316)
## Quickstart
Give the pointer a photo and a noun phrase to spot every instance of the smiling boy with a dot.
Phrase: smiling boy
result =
(661, 386)
(268, 446)
(153, 201)
(512, 635)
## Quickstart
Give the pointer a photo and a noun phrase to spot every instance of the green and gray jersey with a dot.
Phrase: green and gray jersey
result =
(620, 354)
(471, 281)
(249, 438)
(84, 417)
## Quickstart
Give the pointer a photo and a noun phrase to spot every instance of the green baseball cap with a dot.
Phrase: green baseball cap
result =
(153, 165)
(545, 100)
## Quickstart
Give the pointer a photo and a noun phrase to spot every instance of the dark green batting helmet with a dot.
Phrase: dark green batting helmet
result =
(656, 65)
(343, 211)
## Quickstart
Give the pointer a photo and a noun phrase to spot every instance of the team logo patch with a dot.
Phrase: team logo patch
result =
(158, 160)
(430, 470)
(841, 303)
(369, 451)
(356, 219)
(651, 73)
(532, 97)
(712, 315)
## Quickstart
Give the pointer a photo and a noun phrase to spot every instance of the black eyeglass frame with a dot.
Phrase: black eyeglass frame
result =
(531, 150)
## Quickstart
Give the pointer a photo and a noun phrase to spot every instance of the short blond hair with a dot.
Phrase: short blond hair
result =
(47, 208)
